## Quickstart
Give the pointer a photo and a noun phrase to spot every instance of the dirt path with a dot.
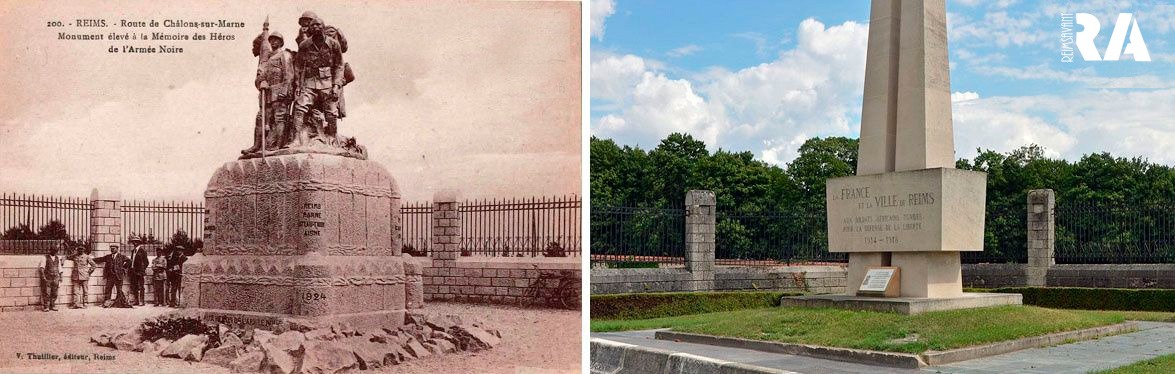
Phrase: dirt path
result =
(534, 341)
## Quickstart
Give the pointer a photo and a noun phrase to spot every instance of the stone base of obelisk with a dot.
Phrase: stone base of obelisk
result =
(305, 241)
(903, 305)
(918, 221)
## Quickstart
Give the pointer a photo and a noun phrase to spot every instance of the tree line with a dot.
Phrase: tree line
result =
(1109, 202)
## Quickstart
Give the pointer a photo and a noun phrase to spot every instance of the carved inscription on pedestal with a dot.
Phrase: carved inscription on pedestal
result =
(312, 223)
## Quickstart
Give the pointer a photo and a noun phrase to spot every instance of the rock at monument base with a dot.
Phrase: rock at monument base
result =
(327, 357)
(416, 349)
(290, 341)
(230, 340)
(156, 348)
(248, 362)
(369, 354)
(473, 338)
(127, 341)
(320, 334)
(222, 355)
(183, 347)
(260, 336)
(103, 339)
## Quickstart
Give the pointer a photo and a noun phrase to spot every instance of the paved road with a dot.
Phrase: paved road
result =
(1153, 339)
(801, 364)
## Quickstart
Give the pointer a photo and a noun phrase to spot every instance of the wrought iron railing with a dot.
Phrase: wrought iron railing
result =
(1093, 234)
(637, 234)
(513, 227)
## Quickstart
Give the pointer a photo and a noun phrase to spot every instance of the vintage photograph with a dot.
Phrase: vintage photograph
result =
(885, 186)
(272, 187)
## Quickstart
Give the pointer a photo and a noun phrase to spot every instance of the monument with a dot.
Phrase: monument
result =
(907, 208)
(302, 230)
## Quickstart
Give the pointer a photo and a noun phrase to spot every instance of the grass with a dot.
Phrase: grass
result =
(1161, 364)
(880, 331)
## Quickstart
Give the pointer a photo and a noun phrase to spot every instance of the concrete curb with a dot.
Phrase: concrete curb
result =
(860, 356)
(968, 353)
(900, 360)
(610, 357)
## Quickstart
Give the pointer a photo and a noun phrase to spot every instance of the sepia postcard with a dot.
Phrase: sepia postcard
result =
(291, 187)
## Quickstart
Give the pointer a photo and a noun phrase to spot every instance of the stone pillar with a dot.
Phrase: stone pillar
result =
(105, 220)
(699, 238)
(1040, 236)
(446, 235)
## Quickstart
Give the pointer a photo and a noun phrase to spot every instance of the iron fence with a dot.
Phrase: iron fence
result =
(772, 238)
(175, 222)
(514, 227)
(416, 225)
(1092, 234)
(637, 235)
(1005, 237)
(39, 217)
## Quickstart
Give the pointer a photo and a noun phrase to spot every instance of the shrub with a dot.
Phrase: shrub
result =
(174, 327)
(632, 265)
(554, 250)
(412, 251)
(657, 305)
(1154, 300)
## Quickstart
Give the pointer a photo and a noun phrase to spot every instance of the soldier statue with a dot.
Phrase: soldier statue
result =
(301, 93)
(274, 80)
(319, 69)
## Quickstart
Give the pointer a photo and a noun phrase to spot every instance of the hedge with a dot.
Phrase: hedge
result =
(657, 305)
(1152, 300)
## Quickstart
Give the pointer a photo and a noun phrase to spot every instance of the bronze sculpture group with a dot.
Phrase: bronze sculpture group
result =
(301, 93)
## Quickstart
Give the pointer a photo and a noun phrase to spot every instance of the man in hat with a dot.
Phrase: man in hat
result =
(50, 280)
(83, 265)
(137, 271)
(319, 66)
(114, 270)
(175, 275)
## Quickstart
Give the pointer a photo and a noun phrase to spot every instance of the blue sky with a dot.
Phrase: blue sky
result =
(765, 75)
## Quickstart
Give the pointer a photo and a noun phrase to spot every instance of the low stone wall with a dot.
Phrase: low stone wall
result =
(495, 280)
(1112, 276)
(816, 279)
(1073, 275)
(995, 275)
(20, 284)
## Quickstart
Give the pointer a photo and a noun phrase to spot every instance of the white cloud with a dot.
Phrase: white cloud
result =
(1085, 76)
(963, 96)
(998, 28)
(1124, 123)
(684, 51)
(600, 10)
(814, 88)
(993, 124)
(612, 77)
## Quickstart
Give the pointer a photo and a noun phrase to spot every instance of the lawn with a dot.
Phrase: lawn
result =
(884, 331)
(1161, 364)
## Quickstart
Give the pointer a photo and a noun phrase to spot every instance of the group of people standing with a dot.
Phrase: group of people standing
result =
(166, 276)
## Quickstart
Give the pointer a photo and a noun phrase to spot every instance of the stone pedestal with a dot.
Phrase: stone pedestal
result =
(916, 220)
(303, 240)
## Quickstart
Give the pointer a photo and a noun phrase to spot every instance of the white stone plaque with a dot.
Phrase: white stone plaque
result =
(926, 210)
(877, 280)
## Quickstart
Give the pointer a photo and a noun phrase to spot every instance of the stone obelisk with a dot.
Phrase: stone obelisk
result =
(907, 207)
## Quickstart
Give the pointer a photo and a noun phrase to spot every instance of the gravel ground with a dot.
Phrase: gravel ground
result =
(533, 341)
